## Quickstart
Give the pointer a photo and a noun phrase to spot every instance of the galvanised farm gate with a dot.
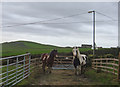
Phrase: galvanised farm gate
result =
(63, 62)
(16, 68)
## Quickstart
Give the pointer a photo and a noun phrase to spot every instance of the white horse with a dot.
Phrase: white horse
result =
(79, 61)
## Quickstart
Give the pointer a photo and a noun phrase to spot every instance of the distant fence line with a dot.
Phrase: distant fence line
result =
(15, 71)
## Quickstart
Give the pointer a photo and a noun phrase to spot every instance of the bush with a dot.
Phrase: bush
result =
(91, 56)
(89, 60)
(103, 51)
(109, 56)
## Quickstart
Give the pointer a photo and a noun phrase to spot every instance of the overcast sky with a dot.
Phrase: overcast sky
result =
(61, 32)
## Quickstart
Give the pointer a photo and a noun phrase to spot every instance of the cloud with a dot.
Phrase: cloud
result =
(60, 34)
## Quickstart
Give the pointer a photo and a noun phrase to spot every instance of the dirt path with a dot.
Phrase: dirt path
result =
(67, 77)
(60, 77)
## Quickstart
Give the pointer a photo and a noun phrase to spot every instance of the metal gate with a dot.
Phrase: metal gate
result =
(15, 69)
(63, 62)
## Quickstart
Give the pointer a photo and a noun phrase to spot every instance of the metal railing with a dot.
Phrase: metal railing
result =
(14, 69)
(63, 62)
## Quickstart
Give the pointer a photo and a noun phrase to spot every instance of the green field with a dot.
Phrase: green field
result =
(21, 47)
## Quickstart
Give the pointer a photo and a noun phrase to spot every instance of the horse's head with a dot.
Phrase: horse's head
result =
(74, 51)
(55, 53)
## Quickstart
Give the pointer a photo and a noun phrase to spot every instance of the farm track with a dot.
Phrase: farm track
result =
(59, 77)
(67, 77)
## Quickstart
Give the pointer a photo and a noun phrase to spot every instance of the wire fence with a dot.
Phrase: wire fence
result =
(15, 69)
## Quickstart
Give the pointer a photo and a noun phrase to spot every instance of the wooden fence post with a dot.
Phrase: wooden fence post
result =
(93, 62)
(101, 64)
(107, 63)
(96, 66)
(119, 67)
(114, 67)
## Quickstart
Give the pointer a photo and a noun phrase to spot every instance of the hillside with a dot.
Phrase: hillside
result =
(21, 47)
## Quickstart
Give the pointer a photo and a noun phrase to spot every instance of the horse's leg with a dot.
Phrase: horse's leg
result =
(50, 69)
(80, 69)
(83, 69)
(43, 67)
(47, 69)
(75, 71)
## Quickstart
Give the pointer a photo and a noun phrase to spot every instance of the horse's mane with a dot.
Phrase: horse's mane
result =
(52, 54)
(78, 52)
(79, 56)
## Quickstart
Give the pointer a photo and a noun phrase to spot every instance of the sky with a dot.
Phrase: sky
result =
(60, 23)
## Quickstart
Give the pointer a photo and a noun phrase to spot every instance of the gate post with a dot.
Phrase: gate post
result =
(26, 64)
(119, 67)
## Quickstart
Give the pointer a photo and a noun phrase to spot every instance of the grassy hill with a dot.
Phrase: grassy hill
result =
(21, 47)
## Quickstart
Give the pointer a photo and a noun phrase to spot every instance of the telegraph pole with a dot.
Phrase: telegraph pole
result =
(93, 31)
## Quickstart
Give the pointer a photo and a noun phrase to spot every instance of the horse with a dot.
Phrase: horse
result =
(48, 60)
(79, 61)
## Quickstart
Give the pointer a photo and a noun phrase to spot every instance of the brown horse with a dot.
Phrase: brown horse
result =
(48, 60)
